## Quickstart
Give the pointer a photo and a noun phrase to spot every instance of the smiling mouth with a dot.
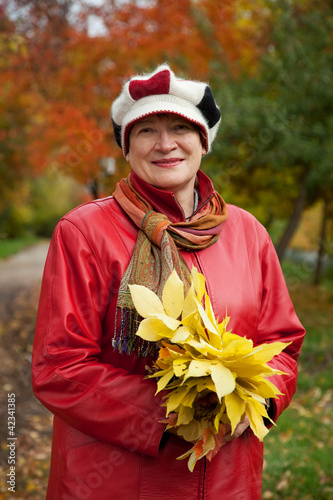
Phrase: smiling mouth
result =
(168, 162)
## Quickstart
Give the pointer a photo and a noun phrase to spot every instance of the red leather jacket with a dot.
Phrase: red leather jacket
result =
(107, 439)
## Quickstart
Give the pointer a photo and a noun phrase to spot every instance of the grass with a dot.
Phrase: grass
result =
(299, 451)
(10, 246)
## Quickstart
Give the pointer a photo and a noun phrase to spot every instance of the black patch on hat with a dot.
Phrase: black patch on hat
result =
(117, 132)
(208, 108)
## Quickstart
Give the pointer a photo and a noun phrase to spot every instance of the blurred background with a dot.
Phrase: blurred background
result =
(270, 65)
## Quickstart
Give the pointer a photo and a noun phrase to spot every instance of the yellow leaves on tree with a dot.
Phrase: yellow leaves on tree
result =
(213, 376)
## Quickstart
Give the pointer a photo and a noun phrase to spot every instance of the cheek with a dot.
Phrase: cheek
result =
(132, 154)
(198, 152)
(196, 148)
(138, 150)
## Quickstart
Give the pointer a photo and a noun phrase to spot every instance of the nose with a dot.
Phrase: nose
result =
(165, 141)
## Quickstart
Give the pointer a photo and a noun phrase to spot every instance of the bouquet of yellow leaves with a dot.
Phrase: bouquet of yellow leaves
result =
(213, 376)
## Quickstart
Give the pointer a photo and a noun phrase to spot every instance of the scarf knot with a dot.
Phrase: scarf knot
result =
(154, 225)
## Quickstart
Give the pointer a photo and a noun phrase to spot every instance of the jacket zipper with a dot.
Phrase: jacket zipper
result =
(198, 266)
(202, 204)
(198, 208)
(205, 460)
(204, 477)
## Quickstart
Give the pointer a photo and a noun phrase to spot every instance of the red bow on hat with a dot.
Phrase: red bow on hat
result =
(156, 84)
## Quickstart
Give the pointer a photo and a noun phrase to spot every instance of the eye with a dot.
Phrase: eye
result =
(145, 130)
(183, 127)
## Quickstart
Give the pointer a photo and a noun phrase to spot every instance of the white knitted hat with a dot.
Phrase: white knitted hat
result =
(162, 92)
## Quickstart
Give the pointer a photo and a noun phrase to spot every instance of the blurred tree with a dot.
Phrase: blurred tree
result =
(68, 78)
(12, 115)
(300, 71)
(277, 134)
(236, 32)
(50, 197)
(14, 119)
(67, 124)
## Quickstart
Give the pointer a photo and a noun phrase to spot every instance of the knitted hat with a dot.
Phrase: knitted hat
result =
(162, 92)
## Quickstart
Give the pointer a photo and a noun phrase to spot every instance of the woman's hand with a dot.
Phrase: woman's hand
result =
(240, 428)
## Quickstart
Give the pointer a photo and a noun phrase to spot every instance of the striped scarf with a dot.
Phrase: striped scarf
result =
(156, 255)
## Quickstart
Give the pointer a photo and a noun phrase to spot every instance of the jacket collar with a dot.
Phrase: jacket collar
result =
(165, 202)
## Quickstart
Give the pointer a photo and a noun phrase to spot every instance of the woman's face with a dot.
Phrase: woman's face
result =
(165, 151)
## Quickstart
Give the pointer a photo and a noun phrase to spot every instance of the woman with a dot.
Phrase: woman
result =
(89, 367)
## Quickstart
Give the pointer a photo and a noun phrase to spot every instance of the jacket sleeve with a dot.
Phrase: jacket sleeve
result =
(107, 403)
(278, 322)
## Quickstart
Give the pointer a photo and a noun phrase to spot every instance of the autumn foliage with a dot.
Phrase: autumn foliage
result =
(58, 81)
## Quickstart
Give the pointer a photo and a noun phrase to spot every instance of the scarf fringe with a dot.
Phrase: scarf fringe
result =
(125, 340)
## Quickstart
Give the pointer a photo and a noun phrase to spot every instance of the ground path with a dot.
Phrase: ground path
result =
(20, 272)
(20, 280)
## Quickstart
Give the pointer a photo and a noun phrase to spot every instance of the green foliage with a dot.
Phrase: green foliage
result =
(51, 197)
(298, 74)
(316, 361)
(277, 123)
(10, 246)
(15, 220)
(38, 204)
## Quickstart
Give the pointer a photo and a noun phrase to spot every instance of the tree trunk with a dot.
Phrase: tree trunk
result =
(293, 222)
(93, 188)
(321, 247)
(269, 222)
